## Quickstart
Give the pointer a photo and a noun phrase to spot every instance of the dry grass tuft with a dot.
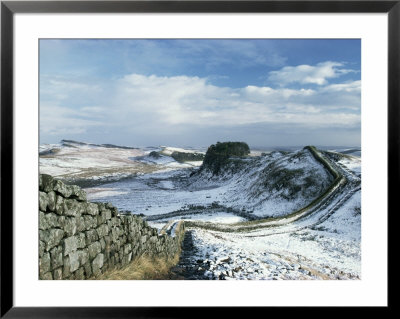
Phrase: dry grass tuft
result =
(144, 268)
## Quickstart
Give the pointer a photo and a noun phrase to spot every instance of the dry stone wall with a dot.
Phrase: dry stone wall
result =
(80, 240)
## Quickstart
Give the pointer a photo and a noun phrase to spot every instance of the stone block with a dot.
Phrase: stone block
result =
(97, 264)
(43, 221)
(70, 245)
(56, 256)
(102, 243)
(91, 209)
(77, 193)
(52, 198)
(80, 274)
(81, 240)
(44, 264)
(51, 237)
(91, 236)
(47, 276)
(72, 207)
(42, 246)
(88, 269)
(80, 224)
(66, 267)
(43, 201)
(70, 226)
(57, 274)
(102, 231)
(52, 220)
(59, 209)
(45, 183)
(94, 249)
(83, 256)
(101, 219)
(114, 234)
(90, 222)
(105, 213)
(74, 261)
(47, 221)
(61, 188)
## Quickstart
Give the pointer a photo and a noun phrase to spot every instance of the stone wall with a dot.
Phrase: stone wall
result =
(80, 240)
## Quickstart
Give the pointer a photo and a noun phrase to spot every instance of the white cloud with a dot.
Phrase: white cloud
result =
(181, 99)
(56, 120)
(308, 74)
(161, 104)
(354, 86)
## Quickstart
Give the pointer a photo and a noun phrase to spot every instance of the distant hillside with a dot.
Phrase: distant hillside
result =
(269, 185)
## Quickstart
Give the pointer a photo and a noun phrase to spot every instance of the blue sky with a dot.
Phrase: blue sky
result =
(197, 92)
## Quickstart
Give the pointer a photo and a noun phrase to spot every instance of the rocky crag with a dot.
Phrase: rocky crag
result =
(81, 240)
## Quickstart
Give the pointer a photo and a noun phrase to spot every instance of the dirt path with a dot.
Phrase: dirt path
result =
(186, 269)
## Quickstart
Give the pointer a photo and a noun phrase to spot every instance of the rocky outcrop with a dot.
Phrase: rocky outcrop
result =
(81, 240)
(218, 155)
(187, 157)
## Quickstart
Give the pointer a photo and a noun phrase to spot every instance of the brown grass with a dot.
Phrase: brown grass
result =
(144, 268)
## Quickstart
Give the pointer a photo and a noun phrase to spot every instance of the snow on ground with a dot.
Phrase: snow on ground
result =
(263, 185)
(330, 250)
(276, 257)
(346, 222)
(356, 152)
(75, 161)
(311, 248)
(155, 193)
(88, 161)
(167, 150)
(218, 217)
(214, 217)
(194, 163)
(315, 247)
(352, 163)
(161, 160)
(104, 192)
(166, 161)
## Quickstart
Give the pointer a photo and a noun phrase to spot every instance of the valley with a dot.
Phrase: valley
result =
(268, 215)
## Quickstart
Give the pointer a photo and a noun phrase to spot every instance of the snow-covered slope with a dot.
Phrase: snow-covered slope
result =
(237, 221)
(270, 185)
(90, 164)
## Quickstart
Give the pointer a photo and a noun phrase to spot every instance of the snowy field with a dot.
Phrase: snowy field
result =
(85, 162)
(324, 244)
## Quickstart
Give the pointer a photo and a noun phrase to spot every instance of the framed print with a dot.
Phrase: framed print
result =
(163, 155)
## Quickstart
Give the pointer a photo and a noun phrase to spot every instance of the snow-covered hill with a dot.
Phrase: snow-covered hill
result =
(270, 215)
(274, 184)
(89, 164)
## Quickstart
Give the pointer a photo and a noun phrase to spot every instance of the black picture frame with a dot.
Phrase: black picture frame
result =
(9, 8)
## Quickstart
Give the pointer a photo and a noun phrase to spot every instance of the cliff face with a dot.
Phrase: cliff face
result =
(81, 240)
(218, 155)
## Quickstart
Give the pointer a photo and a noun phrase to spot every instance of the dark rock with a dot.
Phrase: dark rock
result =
(154, 154)
(218, 155)
(46, 183)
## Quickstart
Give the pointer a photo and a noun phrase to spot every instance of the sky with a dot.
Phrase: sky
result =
(195, 92)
